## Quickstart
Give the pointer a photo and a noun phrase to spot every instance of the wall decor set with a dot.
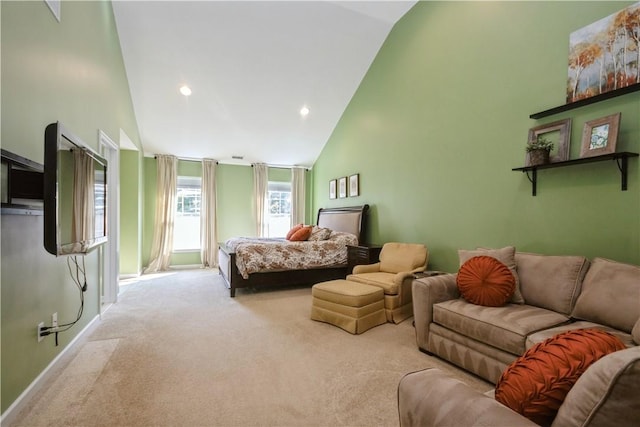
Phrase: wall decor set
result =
(603, 62)
(345, 186)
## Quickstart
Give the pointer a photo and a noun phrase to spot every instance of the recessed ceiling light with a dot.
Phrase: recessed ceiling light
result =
(185, 90)
(304, 111)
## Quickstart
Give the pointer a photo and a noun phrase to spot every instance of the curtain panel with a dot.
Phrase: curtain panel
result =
(208, 237)
(166, 187)
(298, 195)
(260, 196)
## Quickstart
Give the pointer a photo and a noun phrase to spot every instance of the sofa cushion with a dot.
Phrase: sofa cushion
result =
(635, 333)
(484, 280)
(610, 295)
(506, 256)
(538, 337)
(536, 384)
(606, 394)
(504, 327)
(377, 278)
(397, 257)
(550, 281)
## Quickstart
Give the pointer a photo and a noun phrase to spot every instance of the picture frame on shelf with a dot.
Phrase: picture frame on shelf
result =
(332, 189)
(342, 187)
(599, 136)
(558, 132)
(354, 185)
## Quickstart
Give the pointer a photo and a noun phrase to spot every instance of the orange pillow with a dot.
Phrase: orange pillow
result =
(536, 384)
(483, 280)
(302, 234)
(293, 230)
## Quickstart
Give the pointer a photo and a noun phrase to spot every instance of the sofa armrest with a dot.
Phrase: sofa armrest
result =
(366, 268)
(432, 398)
(399, 277)
(427, 291)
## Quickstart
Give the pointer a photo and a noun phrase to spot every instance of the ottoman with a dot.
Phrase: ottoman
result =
(352, 306)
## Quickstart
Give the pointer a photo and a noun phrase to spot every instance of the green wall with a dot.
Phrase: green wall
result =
(442, 117)
(131, 208)
(69, 71)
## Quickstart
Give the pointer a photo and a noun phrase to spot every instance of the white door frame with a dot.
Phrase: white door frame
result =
(111, 254)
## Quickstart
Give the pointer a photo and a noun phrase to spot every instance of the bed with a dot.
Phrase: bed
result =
(351, 220)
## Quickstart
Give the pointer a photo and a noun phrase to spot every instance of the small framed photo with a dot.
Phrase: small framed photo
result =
(332, 189)
(342, 187)
(599, 136)
(559, 133)
(354, 185)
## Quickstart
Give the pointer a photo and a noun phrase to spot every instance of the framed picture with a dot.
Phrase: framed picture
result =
(594, 55)
(599, 136)
(332, 189)
(557, 132)
(354, 185)
(342, 187)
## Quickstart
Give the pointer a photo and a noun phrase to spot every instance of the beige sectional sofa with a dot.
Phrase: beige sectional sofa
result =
(560, 293)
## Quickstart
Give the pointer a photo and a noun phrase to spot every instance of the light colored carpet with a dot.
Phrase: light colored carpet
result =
(176, 350)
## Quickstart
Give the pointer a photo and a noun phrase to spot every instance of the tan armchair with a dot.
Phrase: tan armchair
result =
(394, 274)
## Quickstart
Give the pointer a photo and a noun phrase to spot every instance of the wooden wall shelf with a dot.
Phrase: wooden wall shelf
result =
(620, 158)
(581, 103)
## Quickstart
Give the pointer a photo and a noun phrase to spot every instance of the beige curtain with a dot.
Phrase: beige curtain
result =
(208, 238)
(260, 195)
(297, 196)
(83, 204)
(166, 187)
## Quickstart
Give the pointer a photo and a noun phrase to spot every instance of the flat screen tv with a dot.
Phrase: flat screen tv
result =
(75, 190)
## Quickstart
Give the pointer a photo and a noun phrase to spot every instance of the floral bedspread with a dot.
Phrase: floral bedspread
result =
(255, 255)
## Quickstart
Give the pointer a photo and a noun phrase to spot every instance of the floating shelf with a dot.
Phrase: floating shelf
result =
(581, 103)
(620, 158)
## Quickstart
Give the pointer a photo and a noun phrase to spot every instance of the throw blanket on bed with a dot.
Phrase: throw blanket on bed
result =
(255, 255)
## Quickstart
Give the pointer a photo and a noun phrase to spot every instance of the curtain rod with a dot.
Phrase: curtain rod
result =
(188, 159)
(283, 166)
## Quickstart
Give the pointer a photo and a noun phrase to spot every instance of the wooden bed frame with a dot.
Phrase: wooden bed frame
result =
(348, 219)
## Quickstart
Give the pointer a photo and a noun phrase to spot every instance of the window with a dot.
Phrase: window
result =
(186, 230)
(279, 214)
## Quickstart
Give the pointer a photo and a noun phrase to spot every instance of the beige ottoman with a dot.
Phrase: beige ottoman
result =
(352, 306)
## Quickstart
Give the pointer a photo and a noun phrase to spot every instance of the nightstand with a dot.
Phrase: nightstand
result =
(363, 253)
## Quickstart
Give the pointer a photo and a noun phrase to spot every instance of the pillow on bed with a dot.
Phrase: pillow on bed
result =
(293, 230)
(302, 234)
(319, 233)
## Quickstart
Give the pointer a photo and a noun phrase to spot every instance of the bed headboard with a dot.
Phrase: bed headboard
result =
(352, 219)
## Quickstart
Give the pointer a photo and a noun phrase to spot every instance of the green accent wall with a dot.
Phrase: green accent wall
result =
(234, 201)
(69, 71)
(442, 117)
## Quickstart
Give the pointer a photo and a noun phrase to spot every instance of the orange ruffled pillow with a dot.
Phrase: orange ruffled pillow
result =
(302, 234)
(536, 384)
(293, 230)
(483, 280)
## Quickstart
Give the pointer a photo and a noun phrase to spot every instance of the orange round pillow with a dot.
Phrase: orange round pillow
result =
(302, 234)
(536, 384)
(483, 280)
(293, 230)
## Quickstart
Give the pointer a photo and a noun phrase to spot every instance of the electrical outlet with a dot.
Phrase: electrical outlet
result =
(40, 326)
(54, 320)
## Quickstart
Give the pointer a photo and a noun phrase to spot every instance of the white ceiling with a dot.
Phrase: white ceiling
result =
(252, 65)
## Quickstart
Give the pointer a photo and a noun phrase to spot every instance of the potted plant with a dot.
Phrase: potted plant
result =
(538, 151)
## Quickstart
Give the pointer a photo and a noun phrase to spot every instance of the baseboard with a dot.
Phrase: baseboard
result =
(185, 267)
(128, 276)
(8, 417)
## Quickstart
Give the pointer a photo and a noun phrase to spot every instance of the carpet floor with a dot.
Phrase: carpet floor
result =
(176, 350)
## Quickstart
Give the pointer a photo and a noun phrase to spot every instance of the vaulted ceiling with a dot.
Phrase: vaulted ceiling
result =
(251, 66)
